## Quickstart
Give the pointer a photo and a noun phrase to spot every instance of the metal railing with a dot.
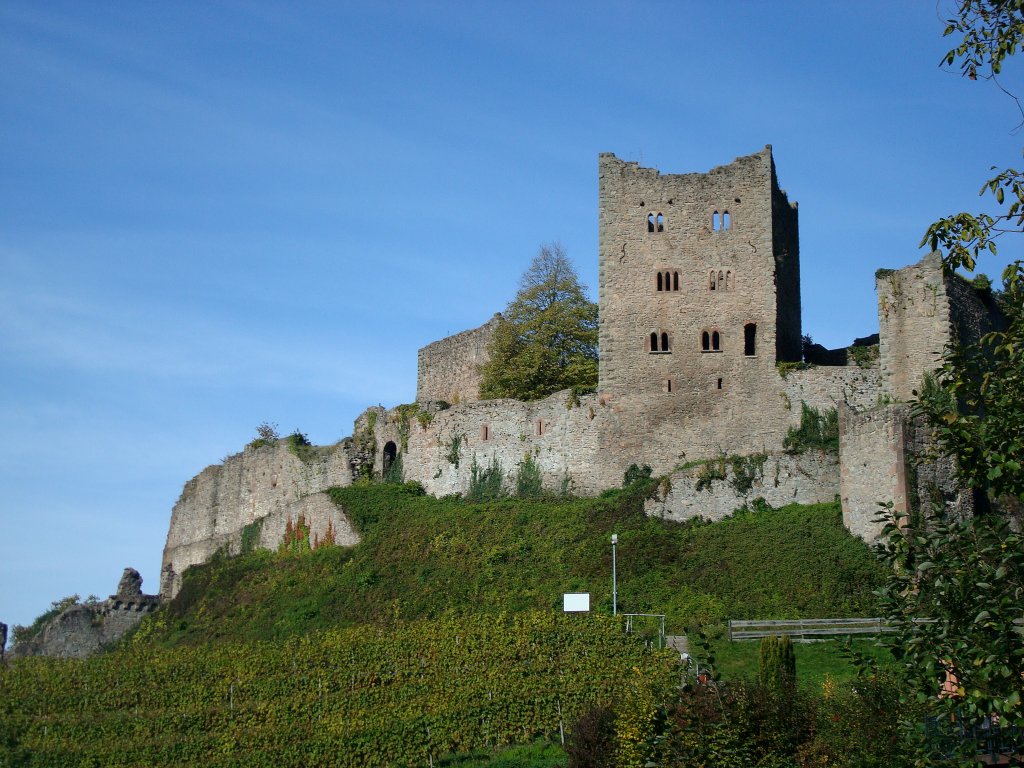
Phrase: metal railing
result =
(661, 624)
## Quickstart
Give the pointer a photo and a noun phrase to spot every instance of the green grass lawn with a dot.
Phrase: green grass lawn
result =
(815, 662)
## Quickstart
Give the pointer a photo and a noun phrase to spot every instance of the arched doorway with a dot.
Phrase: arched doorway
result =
(388, 457)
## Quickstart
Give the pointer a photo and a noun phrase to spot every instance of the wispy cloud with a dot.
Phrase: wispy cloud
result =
(48, 324)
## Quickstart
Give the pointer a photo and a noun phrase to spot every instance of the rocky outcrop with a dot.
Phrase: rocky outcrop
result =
(86, 628)
(247, 502)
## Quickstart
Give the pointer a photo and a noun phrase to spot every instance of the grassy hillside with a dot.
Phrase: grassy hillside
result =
(423, 557)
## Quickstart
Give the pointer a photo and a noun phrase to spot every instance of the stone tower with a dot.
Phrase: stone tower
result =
(699, 290)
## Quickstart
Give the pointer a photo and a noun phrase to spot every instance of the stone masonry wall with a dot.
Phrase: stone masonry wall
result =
(932, 476)
(449, 369)
(269, 484)
(560, 432)
(826, 386)
(687, 402)
(786, 249)
(811, 478)
(872, 451)
(84, 629)
(922, 309)
(914, 324)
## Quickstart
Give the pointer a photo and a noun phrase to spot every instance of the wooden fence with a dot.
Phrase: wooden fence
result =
(807, 629)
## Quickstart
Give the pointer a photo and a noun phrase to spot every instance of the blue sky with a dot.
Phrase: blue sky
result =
(217, 214)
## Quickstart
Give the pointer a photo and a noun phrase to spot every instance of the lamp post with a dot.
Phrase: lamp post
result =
(615, 595)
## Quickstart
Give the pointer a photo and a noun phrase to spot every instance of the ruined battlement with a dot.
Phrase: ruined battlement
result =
(86, 628)
(922, 309)
(448, 370)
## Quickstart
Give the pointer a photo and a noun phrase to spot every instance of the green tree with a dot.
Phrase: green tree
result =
(776, 663)
(546, 340)
(956, 589)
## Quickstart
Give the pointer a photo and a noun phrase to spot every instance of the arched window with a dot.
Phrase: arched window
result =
(664, 342)
(721, 280)
(675, 281)
(659, 282)
(716, 342)
(716, 221)
(705, 342)
(661, 223)
(650, 222)
(726, 220)
(750, 339)
(654, 342)
(711, 280)
(728, 280)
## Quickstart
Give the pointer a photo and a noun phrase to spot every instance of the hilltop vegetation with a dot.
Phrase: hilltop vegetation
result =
(422, 557)
(441, 633)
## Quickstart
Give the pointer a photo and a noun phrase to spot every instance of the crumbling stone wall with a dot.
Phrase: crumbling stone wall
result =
(931, 475)
(872, 450)
(449, 369)
(824, 387)
(84, 629)
(559, 432)
(889, 456)
(809, 478)
(259, 489)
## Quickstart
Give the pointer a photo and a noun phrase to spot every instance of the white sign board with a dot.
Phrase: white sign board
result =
(576, 602)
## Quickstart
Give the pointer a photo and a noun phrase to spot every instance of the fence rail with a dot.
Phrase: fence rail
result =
(808, 629)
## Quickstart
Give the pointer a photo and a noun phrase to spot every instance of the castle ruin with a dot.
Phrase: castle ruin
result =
(699, 296)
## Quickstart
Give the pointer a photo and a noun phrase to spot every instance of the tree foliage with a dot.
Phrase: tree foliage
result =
(956, 589)
(546, 340)
(956, 596)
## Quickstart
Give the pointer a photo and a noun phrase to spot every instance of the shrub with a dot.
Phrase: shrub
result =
(818, 430)
(528, 479)
(395, 473)
(298, 443)
(635, 474)
(266, 434)
(776, 663)
(485, 483)
(591, 742)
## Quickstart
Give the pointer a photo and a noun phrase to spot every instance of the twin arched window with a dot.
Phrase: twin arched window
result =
(668, 281)
(655, 222)
(659, 342)
(721, 221)
(710, 340)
